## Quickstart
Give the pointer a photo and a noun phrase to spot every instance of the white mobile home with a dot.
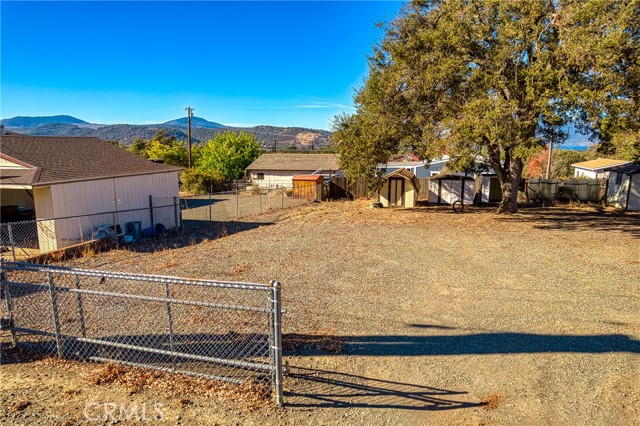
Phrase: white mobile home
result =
(90, 182)
(597, 169)
(275, 170)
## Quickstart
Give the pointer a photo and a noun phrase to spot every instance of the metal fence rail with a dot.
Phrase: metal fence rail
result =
(31, 238)
(227, 331)
(249, 201)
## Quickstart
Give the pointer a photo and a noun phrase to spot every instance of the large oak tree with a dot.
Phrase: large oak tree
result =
(494, 78)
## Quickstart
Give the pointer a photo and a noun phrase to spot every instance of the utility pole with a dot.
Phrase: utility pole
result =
(189, 111)
(549, 159)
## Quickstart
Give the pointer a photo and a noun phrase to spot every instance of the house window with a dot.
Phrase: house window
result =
(618, 178)
(260, 176)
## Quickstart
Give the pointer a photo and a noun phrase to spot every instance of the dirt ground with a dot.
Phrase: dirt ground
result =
(423, 316)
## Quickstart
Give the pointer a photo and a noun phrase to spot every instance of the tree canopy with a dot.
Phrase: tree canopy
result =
(228, 154)
(496, 79)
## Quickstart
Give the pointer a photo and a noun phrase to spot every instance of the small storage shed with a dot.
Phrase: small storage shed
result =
(490, 189)
(623, 190)
(399, 188)
(308, 187)
(447, 189)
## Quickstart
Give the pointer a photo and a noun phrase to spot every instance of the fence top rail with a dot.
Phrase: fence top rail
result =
(80, 216)
(32, 267)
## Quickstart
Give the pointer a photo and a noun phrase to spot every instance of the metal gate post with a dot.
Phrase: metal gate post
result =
(210, 215)
(7, 299)
(237, 203)
(83, 327)
(13, 245)
(276, 306)
(151, 210)
(170, 320)
(176, 211)
(54, 312)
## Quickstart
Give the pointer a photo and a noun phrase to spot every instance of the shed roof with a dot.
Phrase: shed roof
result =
(296, 162)
(50, 159)
(600, 164)
(626, 168)
(406, 174)
(308, 178)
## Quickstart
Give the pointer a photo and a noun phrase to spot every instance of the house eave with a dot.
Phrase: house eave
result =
(88, 179)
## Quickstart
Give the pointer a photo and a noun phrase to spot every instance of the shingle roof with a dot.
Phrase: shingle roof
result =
(600, 163)
(404, 173)
(64, 159)
(295, 162)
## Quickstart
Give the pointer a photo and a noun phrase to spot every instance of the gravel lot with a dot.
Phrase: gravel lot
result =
(441, 318)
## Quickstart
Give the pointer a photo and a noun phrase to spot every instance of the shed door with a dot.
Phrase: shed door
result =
(634, 193)
(396, 191)
(495, 190)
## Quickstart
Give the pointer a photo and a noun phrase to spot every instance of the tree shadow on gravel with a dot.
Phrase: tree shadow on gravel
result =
(479, 344)
(314, 388)
(576, 220)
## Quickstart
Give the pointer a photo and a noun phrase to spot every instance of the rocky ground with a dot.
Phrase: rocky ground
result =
(418, 316)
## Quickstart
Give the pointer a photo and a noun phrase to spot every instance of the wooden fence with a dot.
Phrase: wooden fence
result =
(341, 188)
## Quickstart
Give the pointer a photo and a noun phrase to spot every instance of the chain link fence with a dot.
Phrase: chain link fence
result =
(228, 331)
(29, 239)
(247, 201)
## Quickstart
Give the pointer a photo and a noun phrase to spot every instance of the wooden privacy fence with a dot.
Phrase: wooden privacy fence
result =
(341, 188)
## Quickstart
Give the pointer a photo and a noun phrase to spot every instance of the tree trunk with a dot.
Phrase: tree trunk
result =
(509, 172)
(510, 186)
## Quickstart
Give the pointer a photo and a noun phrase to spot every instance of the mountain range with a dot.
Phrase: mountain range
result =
(201, 131)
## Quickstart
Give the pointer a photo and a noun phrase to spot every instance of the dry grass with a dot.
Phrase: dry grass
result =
(137, 380)
(492, 401)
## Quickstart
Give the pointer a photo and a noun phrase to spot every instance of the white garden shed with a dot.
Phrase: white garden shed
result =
(623, 188)
(74, 185)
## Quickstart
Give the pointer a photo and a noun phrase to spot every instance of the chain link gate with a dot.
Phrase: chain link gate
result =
(228, 331)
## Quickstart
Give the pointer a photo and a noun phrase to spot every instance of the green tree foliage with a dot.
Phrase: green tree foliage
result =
(562, 160)
(601, 51)
(139, 147)
(173, 152)
(228, 154)
(489, 77)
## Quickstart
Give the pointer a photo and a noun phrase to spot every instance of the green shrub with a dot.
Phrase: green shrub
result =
(198, 181)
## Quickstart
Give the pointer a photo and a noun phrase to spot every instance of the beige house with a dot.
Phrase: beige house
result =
(597, 169)
(276, 170)
(87, 181)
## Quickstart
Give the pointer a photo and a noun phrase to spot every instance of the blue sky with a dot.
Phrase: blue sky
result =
(237, 63)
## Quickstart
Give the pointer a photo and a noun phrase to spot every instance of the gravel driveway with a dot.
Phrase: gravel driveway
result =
(423, 316)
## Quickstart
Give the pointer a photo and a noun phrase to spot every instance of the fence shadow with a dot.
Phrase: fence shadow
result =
(331, 389)
(194, 232)
(576, 220)
(481, 344)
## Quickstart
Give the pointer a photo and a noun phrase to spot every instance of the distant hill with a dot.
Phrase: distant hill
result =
(40, 121)
(201, 131)
(195, 122)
